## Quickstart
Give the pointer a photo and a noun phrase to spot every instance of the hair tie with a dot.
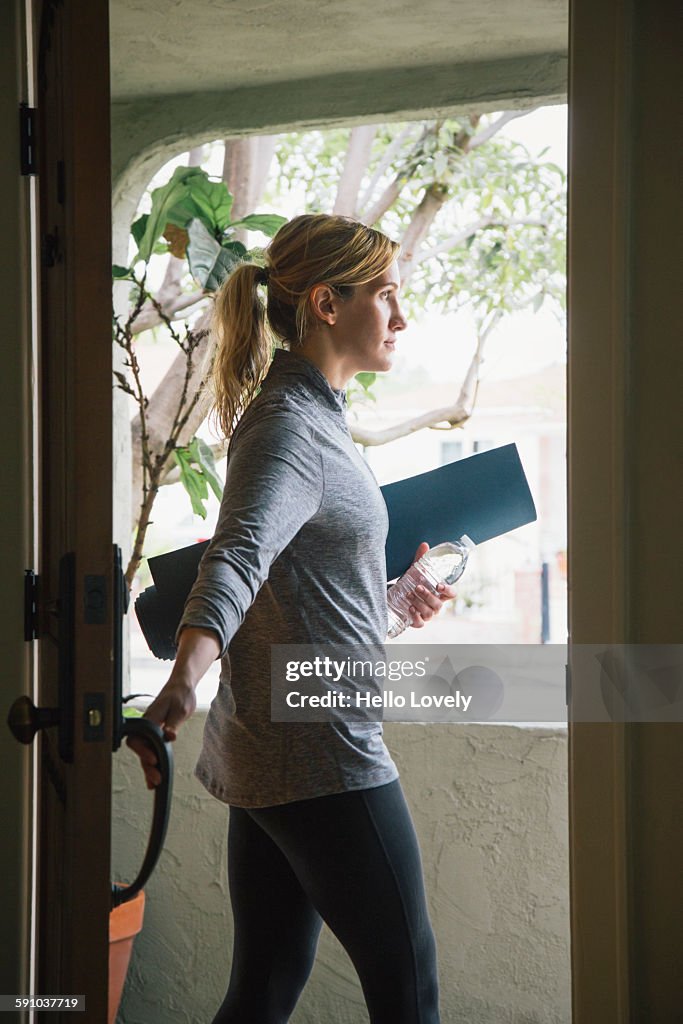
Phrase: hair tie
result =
(263, 275)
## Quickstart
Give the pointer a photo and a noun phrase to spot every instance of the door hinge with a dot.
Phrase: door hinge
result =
(28, 139)
(51, 249)
(31, 581)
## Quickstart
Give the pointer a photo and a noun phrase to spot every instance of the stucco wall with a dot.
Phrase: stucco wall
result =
(490, 807)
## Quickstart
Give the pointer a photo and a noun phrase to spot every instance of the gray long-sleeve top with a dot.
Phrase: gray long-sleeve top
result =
(297, 558)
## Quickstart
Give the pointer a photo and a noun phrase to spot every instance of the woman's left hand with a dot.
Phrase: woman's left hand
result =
(424, 605)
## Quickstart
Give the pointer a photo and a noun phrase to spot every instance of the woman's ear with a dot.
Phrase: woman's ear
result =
(324, 302)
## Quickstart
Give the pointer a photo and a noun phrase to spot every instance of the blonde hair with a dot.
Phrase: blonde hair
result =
(309, 250)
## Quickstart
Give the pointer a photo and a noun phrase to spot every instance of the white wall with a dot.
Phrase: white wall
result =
(490, 807)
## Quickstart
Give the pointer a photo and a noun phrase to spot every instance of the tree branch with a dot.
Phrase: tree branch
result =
(383, 165)
(163, 406)
(385, 201)
(149, 316)
(471, 229)
(493, 128)
(404, 174)
(170, 286)
(454, 415)
(451, 414)
(355, 164)
(433, 199)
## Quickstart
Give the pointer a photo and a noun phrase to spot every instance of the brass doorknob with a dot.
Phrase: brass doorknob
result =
(25, 719)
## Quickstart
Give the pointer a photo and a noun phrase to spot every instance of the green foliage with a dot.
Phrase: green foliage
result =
(360, 389)
(504, 264)
(198, 473)
(268, 223)
(310, 163)
(366, 380)
(212, 201)
(172, 203)
(138, 228)
(513, 258)
(210, 263)
(193, 213)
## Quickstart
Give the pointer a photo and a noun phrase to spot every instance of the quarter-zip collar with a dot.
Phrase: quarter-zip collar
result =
(289, 366)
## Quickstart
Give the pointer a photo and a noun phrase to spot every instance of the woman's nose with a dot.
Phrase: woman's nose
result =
(398, 320)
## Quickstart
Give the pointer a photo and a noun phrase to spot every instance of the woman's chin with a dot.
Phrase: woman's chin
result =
(380, 363)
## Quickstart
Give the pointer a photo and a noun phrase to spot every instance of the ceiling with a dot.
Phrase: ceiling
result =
(166, 47)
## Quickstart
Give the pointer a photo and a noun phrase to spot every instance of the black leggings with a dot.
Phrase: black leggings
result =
(352, 860)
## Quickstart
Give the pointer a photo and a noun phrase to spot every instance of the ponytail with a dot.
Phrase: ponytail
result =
(243, 344)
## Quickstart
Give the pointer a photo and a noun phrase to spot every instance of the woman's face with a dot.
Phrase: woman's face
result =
(364, 325)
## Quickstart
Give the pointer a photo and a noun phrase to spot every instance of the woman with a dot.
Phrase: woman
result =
(319, 829)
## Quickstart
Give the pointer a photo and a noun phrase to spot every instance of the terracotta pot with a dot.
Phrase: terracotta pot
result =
(124, 924)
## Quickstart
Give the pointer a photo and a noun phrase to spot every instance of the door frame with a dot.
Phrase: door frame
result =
(17, 763)
(625, 487)
(75, 488)
(62, 505)
(597, 542)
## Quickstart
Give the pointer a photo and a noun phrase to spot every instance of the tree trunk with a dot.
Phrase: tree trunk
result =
(355, 165)
(245, 171)
(434, 198)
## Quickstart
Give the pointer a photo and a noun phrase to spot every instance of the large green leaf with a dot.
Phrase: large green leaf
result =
(193, 481)
(197, 473)
(164, 199)
(238, 249)
(182, 212)
(189, 194)
(213, 201)
(203, 456)
(268, 223)
(138, 228)
(366, 379)
(209, 262)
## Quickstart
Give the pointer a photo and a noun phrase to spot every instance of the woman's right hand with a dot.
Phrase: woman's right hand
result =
(174, 705)
(197, 649)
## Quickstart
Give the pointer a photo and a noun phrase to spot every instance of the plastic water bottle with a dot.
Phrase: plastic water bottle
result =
(444, 563)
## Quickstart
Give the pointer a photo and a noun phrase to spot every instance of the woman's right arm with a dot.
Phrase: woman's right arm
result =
(197, 651)
(273, 486)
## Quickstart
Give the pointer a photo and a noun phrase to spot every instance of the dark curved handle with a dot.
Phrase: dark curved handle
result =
(153, 736)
